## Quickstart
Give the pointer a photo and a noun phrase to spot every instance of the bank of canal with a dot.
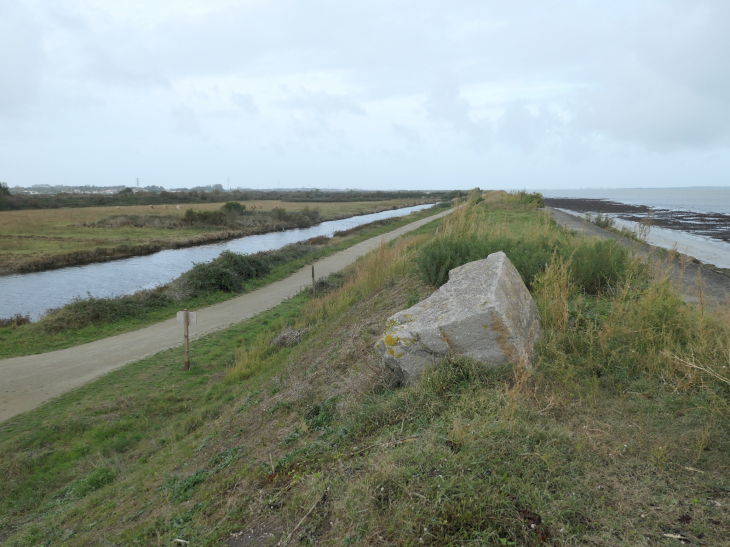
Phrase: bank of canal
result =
(34, 293)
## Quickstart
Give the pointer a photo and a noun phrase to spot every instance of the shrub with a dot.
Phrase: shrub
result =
(529, 257)
(15, 321)
(233, 207)
(594, 265)
(602, 221)
(597, 264)
(205, 218)
(81, 313)
(226, 273)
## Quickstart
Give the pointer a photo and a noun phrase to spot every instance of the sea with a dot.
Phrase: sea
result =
(703, 199)
(700, 199)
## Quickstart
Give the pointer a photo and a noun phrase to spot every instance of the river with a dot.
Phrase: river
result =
(34, 293)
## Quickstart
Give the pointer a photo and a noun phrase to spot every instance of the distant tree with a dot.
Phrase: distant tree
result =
(4, 190)
(125, 191)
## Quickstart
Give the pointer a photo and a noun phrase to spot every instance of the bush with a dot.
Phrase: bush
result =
(205, 218)
(226, 273)
(15, 321)
(233, 207)
(602, 221)
(92, 311)
(594, 265)
(444, 254)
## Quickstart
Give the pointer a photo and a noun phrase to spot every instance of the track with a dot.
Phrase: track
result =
(27, 382)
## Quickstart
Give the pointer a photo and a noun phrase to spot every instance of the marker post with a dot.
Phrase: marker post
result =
(187, 318)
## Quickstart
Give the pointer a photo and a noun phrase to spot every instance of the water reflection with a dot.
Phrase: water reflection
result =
(34, 293)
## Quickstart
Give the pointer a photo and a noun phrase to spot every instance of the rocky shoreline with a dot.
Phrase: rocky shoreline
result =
(714, 225)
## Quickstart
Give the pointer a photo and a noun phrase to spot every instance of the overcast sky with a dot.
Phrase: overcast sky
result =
(377, 94)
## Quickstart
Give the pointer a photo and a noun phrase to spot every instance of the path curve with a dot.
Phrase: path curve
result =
(27, 382)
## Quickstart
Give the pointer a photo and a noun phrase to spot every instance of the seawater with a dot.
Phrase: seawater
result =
(706, 249)
(707, 199)
(703, 199)
(34, 293)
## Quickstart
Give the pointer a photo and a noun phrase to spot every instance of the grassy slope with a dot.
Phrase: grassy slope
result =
(48, 232)
(32, 338)
(313, 446)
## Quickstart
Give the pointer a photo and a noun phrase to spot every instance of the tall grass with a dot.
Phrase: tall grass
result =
(639, 331)
(475, 231)
(375, 271)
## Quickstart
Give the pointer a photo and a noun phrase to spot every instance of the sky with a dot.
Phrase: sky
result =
(373, 94)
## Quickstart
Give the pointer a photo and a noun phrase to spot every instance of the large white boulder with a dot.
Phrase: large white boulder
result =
(484, 311)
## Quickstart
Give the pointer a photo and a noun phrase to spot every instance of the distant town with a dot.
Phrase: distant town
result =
(49, 189)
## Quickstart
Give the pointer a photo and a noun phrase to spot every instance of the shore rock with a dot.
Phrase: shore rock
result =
(484, 311)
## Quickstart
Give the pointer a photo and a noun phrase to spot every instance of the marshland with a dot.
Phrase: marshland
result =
(616, 433)
(39, 239)
(85, 303)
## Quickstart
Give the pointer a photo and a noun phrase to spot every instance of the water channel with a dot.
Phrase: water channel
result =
(34, 293)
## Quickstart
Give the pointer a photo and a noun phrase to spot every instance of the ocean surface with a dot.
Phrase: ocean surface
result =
(709, 199)
(704, 199)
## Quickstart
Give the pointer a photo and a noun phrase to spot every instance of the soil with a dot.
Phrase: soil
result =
(715, 225)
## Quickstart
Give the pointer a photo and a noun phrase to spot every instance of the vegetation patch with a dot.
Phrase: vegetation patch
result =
(87, 319)
(618, 436)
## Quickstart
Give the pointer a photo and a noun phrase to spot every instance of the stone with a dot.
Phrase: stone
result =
(484, 312)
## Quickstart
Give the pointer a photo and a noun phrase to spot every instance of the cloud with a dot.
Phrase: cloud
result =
(522, 128)
(321, 104)
(245, 102)
(185, 121)
(491, 82)
(21, 58)
(446, 105)
(409, 134)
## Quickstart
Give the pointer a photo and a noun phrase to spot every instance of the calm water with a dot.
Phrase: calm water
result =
(34, 293)
(708, 199)
(714, 199)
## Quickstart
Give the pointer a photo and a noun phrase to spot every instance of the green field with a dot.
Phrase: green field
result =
(36, 239)
(618, 435)
(95, 318)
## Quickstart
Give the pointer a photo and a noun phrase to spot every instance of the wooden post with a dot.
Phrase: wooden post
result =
(314, 285)
(186, 321)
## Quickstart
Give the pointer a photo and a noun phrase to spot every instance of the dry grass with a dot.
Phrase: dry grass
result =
(35, 235)
(612, 440)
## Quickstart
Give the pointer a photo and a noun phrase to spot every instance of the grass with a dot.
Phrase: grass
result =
(39, 239)
(91, 319)
(617, 436)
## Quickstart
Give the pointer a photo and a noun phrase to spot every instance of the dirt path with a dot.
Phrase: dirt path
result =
(26, 382)
(715, 286)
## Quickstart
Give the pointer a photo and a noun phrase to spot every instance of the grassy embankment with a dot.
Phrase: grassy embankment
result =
(32, 240)
(618, 436)
(230, 275)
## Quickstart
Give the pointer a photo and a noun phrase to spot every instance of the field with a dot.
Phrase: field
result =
(617, 435)
(46, 238)
(206, 284)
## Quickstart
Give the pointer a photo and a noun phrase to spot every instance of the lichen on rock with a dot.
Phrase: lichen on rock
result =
(484, 312)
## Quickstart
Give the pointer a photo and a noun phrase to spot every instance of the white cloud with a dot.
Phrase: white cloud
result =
(570, 89)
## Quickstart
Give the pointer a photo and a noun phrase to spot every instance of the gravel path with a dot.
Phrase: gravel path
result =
(716, 286)
(26, 382)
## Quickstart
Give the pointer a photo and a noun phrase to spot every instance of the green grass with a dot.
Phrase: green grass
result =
(35, 240)
(610, 440)
(93, 319)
